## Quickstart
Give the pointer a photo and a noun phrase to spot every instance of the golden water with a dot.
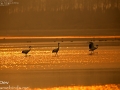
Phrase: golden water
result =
(94, 87)
(72, 69)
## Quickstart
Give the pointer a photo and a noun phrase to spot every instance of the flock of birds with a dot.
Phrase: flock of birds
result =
(53, 51)
(92, 47)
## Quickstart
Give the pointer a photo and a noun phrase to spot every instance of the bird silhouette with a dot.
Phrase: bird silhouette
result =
(92, 47)
(56, 49)
(26, 51)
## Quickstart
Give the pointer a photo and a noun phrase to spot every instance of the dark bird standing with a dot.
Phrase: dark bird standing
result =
(56, 49)
(26, 51)
(92, 47)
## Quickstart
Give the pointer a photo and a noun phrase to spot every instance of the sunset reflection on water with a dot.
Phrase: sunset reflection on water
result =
(72, 69)
(94, 87)
(70, 56)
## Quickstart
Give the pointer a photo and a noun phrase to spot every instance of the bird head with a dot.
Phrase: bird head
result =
(90, 42)
(29, 46)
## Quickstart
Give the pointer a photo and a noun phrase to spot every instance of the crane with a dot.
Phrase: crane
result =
(56, 49)
(26, 51)
(92, 47)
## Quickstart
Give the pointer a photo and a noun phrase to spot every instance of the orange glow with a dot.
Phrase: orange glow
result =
(68, 58)
(94, 87)
(59, 37)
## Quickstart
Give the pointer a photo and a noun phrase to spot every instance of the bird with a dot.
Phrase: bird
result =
(92, 47)
(26, 51)
(56, 49)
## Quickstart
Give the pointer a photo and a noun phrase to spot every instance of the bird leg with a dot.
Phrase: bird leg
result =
(91, 52)
(56, 54)
(25, 55)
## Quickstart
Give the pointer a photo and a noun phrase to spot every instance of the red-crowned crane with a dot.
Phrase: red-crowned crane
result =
(56, 49)
(92, 47)
(26, 51)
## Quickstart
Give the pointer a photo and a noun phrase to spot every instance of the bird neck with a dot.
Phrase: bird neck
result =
(29, 49)
(58, 45)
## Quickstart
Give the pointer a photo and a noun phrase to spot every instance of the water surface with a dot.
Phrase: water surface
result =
(73, 67)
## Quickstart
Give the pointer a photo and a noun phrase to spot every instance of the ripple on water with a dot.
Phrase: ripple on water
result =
(69, 57)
